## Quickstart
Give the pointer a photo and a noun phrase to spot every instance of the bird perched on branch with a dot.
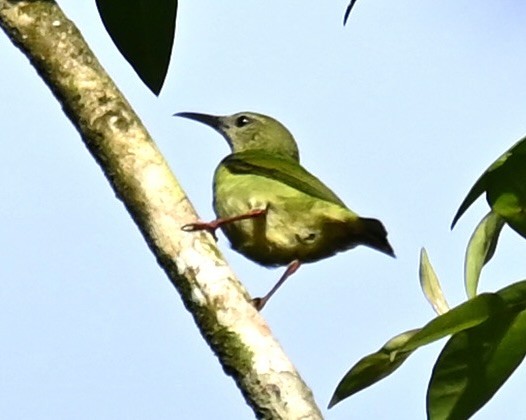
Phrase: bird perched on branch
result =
(272, 210)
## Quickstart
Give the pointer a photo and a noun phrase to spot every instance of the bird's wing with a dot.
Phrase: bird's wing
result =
(283, 170)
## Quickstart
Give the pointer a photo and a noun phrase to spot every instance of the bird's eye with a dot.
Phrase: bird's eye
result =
(242, 121)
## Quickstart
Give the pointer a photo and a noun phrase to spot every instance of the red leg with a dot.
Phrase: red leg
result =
(212, 226)
(259, 303)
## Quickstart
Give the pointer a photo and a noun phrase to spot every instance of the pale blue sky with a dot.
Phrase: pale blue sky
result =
(398, 113)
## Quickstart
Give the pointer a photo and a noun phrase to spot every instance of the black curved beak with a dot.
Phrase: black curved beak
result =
(210, 120)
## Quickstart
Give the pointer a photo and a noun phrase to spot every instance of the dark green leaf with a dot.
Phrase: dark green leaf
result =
(372, 368)
(474, 193)
(348, 11)
(506, 192)
(505, 185)
(143, 31)
(514, 294)
(480, 249)
(475, 363)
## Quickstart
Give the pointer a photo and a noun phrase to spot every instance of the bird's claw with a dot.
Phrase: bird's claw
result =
(195, 227)
(258, 303)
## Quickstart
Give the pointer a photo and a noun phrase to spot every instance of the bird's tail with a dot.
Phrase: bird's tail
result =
(374, 235)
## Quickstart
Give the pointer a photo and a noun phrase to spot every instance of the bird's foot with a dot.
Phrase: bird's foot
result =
(259, 303)
(210, 227)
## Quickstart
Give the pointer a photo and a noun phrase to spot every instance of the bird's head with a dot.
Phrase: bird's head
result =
(246, 131)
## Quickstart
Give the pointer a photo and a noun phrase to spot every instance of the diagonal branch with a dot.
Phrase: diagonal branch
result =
(141, 178)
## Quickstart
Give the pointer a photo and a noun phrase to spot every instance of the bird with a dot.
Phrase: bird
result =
(271, 209)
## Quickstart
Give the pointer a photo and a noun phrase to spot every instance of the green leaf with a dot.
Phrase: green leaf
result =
(431, 286)
(474, 364)
(372, 368)
(475, 192)
(143, 31)
(514, 294)
(506, 192)
(480, 250)
(464, 316)
(505, 185)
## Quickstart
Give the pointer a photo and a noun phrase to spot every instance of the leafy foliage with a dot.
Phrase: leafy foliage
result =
(487, 331)
(476, 362)
(485, 347)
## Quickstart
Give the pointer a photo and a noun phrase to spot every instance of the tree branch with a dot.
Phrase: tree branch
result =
(141, 178)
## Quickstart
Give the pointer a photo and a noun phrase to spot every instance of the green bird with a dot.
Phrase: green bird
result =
(272, 210)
